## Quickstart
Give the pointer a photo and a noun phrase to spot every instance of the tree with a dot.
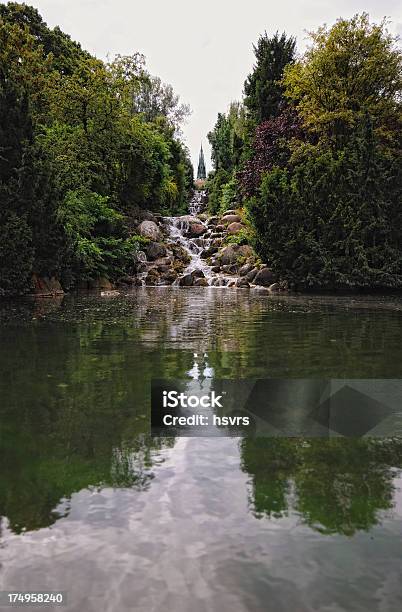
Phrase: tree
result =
(221, 144)
(65, 52)
(334, 219)
(272, 147)
(263, 87)
(78, 136)
(326, 201)
(350, 70)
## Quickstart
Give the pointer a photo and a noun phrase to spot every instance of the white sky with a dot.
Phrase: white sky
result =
(204, 48)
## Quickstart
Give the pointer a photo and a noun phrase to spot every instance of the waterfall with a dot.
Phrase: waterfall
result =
(178, 229)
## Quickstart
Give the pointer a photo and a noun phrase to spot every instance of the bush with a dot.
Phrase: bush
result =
(334, 220)
(215, 183)
(97, 235)
(242, 237)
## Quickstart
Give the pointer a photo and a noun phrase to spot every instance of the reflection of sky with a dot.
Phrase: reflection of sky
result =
(200, 368)
(397, 510)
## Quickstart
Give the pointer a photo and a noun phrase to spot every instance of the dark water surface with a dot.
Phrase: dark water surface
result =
(93, 506)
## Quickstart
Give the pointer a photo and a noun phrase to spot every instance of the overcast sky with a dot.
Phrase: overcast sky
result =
(204, 48)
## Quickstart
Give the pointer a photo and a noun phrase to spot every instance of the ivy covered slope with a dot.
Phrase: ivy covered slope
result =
(313, 154)
(84, 148)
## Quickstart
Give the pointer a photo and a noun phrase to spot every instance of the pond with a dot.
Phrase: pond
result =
(92, 505)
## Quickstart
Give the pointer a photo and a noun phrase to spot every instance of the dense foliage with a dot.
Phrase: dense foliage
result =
(322, 179)
(263, 88)
(233, 134)
(83, 146)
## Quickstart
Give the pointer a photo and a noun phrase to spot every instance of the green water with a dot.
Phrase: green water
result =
(90, 504)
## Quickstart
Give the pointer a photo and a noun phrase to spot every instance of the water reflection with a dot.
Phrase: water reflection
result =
(75, 380)
(336, 486)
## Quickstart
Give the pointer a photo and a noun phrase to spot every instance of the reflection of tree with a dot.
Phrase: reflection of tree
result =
(270, 463)
(338, 485)
(74, 413)
(75, 379)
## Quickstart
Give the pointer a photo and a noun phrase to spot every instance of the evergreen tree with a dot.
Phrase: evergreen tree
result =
(263, 89)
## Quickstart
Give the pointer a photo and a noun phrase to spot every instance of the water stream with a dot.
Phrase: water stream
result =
(178, 229)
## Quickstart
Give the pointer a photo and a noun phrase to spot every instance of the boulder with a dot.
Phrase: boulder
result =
(245, 250)
(227, 219)
(219, 282)
(235, 227)
(216, 269)
(101, 283)
(195, 230)
(197, 274)
(169, 277)
(180, 253)
(163, 268)
(208, 252)
(274, 288)
(200, 282)
(250, 276)
(264, 277)
(154, 250)
(47, 287)
(246, 269)
(152, 277)
(186, 281)
(150, 230)
(230, 269)
(229, 254)
(127, 280)
(146, 215)
(213, 220)
(241, 283)
(233, 252)
(187, 219)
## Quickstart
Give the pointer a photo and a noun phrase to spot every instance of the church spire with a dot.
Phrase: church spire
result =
(201, 172)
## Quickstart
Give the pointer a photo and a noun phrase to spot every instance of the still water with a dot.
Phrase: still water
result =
(91, 505)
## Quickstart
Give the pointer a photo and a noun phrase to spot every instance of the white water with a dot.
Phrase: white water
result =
(178, 228)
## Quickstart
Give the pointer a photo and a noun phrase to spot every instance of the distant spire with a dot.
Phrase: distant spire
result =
(201, 172)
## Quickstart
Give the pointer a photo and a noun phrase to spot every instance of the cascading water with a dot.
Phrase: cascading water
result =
(179, 229)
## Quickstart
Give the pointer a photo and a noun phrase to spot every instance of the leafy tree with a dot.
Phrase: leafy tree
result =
(327, 212)
(220, 140)
(155, 99)
(79, 137)
(98, 235)
(272, 146)
(215, 184)
(350, 70)
(263, 87)
(65, 52)
(334, 220)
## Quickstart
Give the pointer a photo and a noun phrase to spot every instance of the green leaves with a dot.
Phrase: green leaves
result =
(351, 69)
(263, 88)
(83, 145)
(97, 234)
